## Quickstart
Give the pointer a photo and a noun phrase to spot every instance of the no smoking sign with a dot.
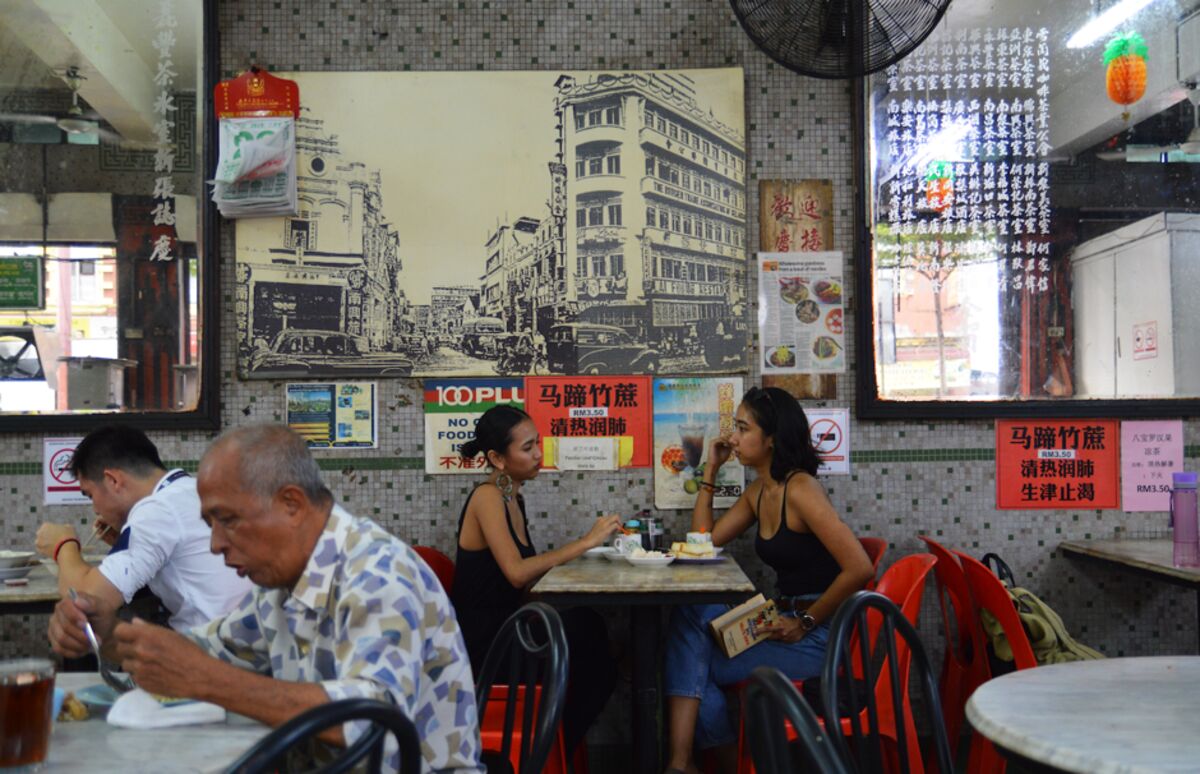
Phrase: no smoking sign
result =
(830, 430)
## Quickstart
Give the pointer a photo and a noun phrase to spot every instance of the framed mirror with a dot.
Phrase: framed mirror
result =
(108, 274)
(1029, 214)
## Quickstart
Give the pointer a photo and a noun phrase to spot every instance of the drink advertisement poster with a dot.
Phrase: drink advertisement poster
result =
(801, 313)
(1058, 464)
(616, 407)
(1150, 452)
(337, 415)
(452, 407)
(688, 415)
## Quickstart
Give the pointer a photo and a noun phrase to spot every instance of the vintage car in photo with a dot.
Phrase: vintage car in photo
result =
(300, 352)
(480, 336)
(588, 348)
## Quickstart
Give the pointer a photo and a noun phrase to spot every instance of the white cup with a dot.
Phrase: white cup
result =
(625, 544)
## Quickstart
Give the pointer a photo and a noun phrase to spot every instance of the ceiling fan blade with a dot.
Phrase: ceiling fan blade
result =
(26, 118)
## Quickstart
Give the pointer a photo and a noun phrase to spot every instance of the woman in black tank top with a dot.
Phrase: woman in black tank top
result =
(497, 562)
(817, 560)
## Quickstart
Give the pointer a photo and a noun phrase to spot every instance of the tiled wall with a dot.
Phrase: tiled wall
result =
(907, 477)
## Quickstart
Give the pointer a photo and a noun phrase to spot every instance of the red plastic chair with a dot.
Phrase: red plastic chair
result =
(904, 584)
(441, 565)
(491, 730)
(964, 667)
(875, 548)
(989, 594)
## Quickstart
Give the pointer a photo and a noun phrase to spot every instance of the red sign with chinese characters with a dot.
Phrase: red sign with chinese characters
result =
(593, 407)
(1057, 464)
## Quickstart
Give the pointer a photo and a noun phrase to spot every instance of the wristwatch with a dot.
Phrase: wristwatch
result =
(807, 622)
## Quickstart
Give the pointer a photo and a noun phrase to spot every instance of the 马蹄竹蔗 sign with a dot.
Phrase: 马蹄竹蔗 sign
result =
(1058, 464)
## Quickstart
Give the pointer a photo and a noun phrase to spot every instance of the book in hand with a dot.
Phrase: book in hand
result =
(742, 627)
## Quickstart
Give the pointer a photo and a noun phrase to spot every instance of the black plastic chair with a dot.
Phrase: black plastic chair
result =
(772, 702)
(271, 752)
(528, 661)
(885, 675)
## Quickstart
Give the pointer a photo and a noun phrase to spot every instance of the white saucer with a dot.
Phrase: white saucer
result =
(650, 561)
(599, 552)
(614, 556)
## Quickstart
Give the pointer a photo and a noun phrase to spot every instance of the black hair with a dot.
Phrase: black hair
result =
(493, 431)
(115, 446)
(782, 419)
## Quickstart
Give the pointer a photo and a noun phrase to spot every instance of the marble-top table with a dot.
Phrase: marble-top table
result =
(1148, 557)
(1107, 716)
(95, 746)
(40, 593)
(645, 590)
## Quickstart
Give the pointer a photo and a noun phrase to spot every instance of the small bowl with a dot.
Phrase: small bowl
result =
(15, 559)
(8, 573)
(614, 556)
(599, 552)
(650, 561)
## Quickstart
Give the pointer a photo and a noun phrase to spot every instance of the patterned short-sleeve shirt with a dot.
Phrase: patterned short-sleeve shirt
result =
(368, 618)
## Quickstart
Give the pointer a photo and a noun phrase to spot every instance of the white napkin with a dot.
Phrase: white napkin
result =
(138, 709)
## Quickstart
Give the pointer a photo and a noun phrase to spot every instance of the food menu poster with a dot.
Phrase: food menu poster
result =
(1054, 464)
(688, 415)
(334, 415)
(801, 313)
(592, 407)
(1151, 451)
(452, 409)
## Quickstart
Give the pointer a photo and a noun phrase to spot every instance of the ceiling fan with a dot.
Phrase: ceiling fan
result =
(1187, 150)
(75, 121)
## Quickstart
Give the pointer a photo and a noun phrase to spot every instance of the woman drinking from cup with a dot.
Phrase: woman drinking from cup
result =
(497, 562)
(816, 557)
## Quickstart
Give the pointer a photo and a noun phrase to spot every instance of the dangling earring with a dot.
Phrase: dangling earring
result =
(505, 482)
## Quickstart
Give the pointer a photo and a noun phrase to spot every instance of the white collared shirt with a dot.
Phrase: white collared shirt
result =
(168, 550)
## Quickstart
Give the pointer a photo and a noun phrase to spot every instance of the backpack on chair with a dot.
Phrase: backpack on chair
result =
(1048, 636)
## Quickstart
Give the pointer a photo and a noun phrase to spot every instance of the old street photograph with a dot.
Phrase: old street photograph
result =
(504, 223)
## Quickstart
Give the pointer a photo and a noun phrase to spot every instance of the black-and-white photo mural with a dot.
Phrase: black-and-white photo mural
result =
(504, 223)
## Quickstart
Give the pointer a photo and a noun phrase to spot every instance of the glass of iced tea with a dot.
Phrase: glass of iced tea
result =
(26, 698)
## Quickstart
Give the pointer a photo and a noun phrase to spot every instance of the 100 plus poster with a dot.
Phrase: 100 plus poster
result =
(474, 224)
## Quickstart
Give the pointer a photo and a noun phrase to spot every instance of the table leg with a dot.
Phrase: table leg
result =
(644, 623)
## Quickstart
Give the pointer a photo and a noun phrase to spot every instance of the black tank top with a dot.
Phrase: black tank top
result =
(482, 596)
(800, 560)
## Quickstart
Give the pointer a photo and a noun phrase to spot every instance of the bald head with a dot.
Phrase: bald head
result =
(263, 459)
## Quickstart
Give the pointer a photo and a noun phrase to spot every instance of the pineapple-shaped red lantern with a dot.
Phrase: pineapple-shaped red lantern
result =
(1125, 57)
(939, 185)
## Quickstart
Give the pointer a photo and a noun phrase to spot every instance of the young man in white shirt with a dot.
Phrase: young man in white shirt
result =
(151, 516)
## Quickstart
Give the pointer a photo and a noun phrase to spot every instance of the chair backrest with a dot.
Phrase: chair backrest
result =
(875, 548)
(271, 752)
(441, 565)
(960, 623)
(989, 594)
(883, 710)
(529, 658)
(772, 702)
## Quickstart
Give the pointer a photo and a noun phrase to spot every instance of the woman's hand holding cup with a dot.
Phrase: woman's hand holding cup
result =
(602, 530)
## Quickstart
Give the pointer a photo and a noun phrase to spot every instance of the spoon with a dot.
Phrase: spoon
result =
(114, 681)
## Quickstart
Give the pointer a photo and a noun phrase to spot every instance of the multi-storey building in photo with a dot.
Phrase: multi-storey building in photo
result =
(335, 266)
(655, 209)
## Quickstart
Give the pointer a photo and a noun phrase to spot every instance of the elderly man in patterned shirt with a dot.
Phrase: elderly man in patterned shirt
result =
(341, 609)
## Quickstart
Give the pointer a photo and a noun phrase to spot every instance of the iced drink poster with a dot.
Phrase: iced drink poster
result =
(801, 313)
(688, 415)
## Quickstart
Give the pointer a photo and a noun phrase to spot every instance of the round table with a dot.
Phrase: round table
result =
(1103, 716)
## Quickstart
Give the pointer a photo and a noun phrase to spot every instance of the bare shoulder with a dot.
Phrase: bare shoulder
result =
(486, 499)
(807, 494)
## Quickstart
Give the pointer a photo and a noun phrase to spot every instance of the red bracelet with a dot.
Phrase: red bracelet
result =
(62, 543)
